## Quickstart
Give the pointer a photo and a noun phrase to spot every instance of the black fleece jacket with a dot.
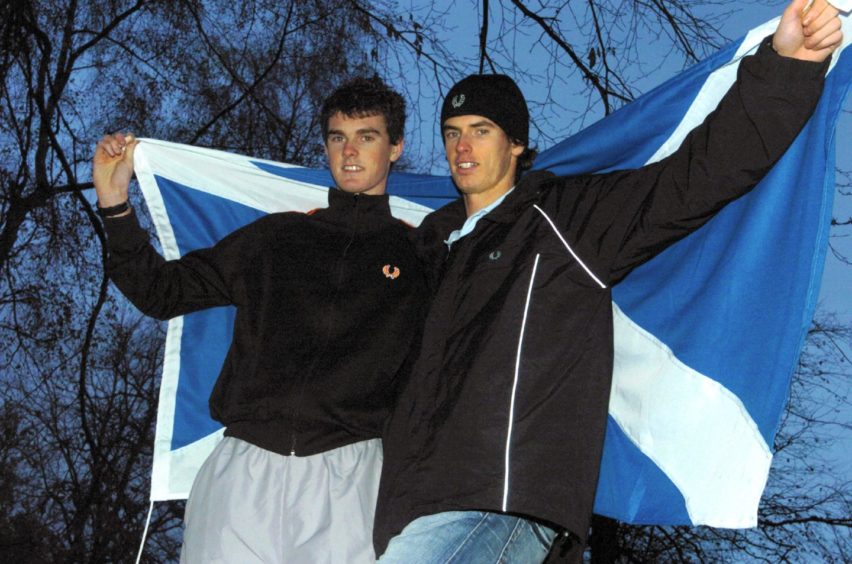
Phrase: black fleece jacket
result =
(506, 406)
(321, 329)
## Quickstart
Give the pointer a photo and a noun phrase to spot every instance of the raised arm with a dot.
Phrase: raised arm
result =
(636, 214)
(159, 288)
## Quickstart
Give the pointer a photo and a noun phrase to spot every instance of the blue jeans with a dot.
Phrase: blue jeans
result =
(469, 537)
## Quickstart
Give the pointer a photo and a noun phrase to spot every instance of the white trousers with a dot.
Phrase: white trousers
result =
(250, 505)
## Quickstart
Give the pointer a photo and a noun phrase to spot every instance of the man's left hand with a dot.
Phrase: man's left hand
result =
(810, 34)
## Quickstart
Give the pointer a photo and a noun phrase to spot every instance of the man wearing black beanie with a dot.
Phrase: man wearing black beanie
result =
(494, 446)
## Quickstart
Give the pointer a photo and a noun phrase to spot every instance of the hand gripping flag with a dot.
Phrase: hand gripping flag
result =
(707, 334)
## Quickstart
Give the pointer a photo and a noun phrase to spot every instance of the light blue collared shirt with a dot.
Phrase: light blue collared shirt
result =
(470, 222)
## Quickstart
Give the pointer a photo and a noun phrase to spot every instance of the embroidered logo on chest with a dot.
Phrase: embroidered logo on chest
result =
(390, 271)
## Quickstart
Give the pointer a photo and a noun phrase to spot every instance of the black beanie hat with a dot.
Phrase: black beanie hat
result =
(494, 96)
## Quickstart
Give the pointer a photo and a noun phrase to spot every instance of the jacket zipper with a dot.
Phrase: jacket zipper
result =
(297, 400)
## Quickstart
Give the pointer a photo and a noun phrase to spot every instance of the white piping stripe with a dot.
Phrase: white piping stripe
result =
(567, 246)
(515, 384)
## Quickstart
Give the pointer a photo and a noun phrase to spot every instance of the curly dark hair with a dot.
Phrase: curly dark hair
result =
(363, 97)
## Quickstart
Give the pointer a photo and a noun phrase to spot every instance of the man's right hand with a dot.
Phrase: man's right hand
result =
(112, 168)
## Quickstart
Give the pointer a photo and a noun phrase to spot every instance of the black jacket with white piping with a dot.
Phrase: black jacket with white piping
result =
(506, 407)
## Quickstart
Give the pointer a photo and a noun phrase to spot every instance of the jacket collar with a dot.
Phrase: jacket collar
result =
(453, 215)
(344, 202)
(525, 192)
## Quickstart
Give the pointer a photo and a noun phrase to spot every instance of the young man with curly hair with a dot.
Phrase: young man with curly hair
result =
(320, 333)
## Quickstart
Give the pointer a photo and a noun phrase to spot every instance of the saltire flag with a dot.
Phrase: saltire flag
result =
(707, 334)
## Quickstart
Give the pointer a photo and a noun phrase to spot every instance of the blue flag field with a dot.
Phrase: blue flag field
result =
(707, 334)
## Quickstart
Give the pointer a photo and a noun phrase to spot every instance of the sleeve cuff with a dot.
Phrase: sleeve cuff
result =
(787, 69)
(124, 232)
